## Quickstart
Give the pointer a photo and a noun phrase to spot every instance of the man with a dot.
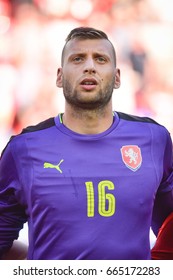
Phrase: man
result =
(90, 181)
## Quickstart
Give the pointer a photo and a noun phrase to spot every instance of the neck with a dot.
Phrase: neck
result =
(88, 121)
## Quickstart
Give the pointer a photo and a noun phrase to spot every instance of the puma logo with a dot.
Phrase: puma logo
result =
(50, 165)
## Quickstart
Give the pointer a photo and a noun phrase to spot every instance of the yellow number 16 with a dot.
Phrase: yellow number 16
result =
(106, 201)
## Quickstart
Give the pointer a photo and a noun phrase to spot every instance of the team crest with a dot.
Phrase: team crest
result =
(131, 156)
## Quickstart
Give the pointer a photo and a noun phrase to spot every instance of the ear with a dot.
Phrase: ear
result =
(59, 78)
(117, 78)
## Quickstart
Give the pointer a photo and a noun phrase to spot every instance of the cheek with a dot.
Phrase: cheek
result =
(69, 80)
(107, 77)
(106, 72)
(72, 75)
(69, 75)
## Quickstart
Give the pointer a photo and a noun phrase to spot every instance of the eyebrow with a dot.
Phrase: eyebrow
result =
(95, 54)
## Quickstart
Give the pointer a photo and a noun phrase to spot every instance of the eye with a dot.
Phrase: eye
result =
(101, 59)
(77, 59)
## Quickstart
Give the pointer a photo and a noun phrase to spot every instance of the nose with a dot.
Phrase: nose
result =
(89, 66)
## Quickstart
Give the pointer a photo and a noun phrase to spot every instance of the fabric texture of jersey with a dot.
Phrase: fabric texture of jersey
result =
(86, 196)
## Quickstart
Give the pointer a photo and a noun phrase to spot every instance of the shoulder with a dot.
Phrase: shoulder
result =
(147, 126)
(40, 126)
(32, 132)
(143, 121)
(133, 118)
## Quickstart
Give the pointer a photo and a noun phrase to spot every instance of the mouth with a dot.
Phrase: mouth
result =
(88, 83)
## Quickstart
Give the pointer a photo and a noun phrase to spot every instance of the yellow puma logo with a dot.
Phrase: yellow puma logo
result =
(50, 165)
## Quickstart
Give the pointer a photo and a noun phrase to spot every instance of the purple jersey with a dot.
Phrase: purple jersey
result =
(86, 196)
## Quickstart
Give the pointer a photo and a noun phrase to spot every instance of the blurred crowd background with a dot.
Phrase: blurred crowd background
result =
(32, 34)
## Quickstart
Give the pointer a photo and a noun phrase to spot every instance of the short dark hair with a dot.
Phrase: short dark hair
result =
(86, 33)
(83, 33)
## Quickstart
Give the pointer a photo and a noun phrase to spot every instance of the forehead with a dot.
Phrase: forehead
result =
(88, 46)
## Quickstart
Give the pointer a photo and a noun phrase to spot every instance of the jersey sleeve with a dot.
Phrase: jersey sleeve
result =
(12, 213)
(163, 248)
(163, 205)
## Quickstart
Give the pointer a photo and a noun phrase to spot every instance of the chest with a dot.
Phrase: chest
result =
(93, 177)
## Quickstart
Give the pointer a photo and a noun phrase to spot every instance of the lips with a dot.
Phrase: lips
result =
(88, 83)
